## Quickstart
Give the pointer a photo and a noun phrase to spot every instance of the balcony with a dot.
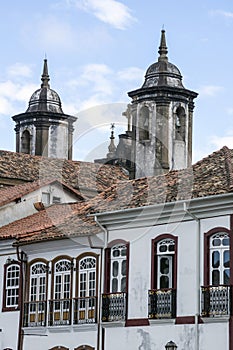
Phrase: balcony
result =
(113, 307)
(161, 303)
(35, 313)
(85, 310)
(60, 312)
(215, 301)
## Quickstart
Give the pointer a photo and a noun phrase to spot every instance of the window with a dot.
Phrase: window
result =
(219, 259)
(60, 305)
(35, 308)
(56, 200)
(118, 268)
(180, 124)
(45, 198)
(216, 293)
(144, 124)
(25, 142)
(165, 256)
(116, 278)
(162, 296)
(85, 306)
(11, 286)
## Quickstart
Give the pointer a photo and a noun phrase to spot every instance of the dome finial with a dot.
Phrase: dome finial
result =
(112, 147)
(163, 47)
(45, 75)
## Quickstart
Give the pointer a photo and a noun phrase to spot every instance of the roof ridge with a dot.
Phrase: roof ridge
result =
(229, 166)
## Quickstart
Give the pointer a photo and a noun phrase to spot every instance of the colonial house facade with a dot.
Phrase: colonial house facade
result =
(91, 260)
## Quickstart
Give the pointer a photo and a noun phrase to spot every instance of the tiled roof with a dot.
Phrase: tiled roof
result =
(9, 194)
(212, 175)
(52, 216)
(79, 175)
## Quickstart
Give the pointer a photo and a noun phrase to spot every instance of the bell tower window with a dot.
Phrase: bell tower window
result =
(180, 124)
(25, 142)
(144, 124)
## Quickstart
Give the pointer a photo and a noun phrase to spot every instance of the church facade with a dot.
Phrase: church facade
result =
(94, 263)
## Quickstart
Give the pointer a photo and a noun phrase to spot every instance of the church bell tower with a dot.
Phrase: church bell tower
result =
(160, 117)
(44, 129)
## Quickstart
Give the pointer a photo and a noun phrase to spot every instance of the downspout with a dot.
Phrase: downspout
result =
(198, 277)
(99, 337)
(22, 258)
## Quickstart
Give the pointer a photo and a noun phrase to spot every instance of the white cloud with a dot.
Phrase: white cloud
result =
(209, 90)
(220, 141)
(131, 74)
(111, 12)
(19, 70)
(222, 13)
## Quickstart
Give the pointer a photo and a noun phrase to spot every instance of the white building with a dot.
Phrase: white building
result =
(139, 263)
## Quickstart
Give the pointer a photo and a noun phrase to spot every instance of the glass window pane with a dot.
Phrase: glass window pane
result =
(163, 248)
(123, 284)
(215, 278)
(171, 248)
(164, 282)
(226, 276)
(226, 258)
(226, 241)
(115, 268)
(164, 266)
(123, 268)
(114, 285)
(116, 252)
(215, 259)
(123, 252)
(216, 242)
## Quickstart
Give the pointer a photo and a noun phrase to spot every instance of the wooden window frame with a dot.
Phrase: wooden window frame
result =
(6, 308)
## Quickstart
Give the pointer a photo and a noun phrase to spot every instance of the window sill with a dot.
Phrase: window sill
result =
(34, 330)
(85, 327)
(113, 324)
(216, 319)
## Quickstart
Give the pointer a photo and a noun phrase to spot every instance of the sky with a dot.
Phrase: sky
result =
(98, 50)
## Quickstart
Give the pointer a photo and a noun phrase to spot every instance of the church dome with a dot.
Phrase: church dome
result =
(163, 73)
(45, 99)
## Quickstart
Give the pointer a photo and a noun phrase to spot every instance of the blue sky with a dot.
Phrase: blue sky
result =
(98, 50)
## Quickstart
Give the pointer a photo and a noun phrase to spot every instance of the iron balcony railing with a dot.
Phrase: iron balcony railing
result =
(161, 303)
(60, 312)
(85, 310)
(113, 307)
(35, 313)
(216, 301)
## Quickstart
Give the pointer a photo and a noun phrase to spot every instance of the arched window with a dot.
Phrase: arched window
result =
(35, 308)
(165, 261)
(180, 120)
(11, 286)
(118, 268)
(59, 347)
(85, 305)
(116, 282)
(162, 296)
(60, 305)
(216, 293)
(220, 259)
(84, 347)
(25, 142)
(144, 124)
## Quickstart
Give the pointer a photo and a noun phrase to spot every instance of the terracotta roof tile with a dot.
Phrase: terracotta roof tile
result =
(80, 175)
(210, 176)
(51, 216)
(9, 194)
